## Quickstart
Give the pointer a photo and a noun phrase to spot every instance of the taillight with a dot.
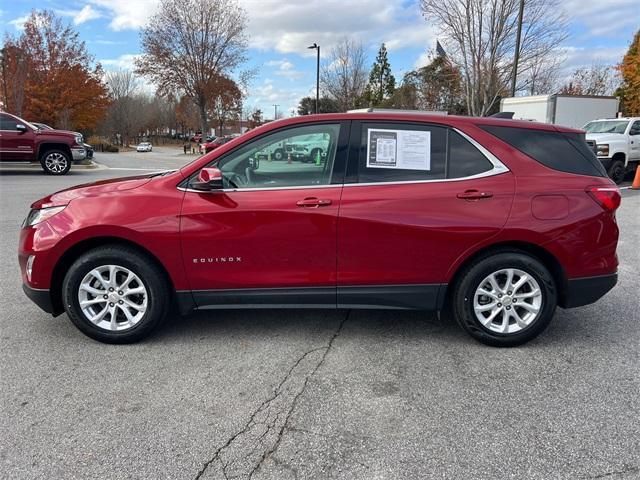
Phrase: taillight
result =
(607, 197)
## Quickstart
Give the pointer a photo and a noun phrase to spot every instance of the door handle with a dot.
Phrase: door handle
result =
(313, 202)
(474, 195)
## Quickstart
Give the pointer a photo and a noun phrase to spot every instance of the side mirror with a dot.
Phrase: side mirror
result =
(21, 128)
(209, 178)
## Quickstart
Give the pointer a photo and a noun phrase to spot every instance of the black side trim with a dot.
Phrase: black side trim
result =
(318, 297)
(583, 291)
(414, 297)
(185, 301)
(41, 298)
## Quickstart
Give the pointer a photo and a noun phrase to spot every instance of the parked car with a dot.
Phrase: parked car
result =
(88, 148)
(215, 143)
(20, 141)
(499, 221)
(617, 143)
(144, 147)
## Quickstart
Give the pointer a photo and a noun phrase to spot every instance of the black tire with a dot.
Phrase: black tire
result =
(278, 154)
(152, 277)
(462, 299)
(55, 162)
(314, 153)
(617, 171)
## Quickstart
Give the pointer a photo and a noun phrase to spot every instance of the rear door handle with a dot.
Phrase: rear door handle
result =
(313, 202)
(474, 195)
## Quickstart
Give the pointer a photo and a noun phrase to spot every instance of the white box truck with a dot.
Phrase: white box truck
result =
(573, 111)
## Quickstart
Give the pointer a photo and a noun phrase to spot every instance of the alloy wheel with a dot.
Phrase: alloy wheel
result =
(507, 301)
(113, 298)
(55, 162)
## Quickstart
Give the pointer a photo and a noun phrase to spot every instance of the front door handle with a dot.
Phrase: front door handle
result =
(474, 195)
(313, 202)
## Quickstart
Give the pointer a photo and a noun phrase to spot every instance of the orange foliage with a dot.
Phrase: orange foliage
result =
(48, 76)
(630, 71)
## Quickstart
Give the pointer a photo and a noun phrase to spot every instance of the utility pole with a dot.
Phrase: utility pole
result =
(516, 54)
(275, 112)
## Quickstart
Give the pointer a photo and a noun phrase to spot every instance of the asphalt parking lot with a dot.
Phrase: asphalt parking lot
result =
(287, 394)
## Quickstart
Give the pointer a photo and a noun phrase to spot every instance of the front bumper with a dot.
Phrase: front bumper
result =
(584, 291)
(78, 154)
(41, 297)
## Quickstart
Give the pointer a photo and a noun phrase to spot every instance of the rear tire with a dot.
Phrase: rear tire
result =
(485, 299)
(114, 294)
(55, 162)
(617, 172)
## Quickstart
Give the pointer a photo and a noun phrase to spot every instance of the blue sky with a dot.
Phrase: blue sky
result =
(280, 31)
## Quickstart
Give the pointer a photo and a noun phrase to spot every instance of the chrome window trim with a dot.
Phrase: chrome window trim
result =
(498, 169)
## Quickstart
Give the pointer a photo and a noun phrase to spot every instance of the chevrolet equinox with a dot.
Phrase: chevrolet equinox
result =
(497, 221)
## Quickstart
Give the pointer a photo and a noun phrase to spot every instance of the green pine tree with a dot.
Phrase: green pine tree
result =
(382, 83)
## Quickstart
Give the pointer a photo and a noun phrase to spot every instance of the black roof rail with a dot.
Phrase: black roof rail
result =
(508, 115)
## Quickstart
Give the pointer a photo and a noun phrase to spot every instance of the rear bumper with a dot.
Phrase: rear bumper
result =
(583, 291)
(41, 297)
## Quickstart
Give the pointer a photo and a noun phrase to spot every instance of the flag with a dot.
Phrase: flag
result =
(440, 50)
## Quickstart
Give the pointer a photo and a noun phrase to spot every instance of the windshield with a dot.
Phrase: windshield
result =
(607, 126)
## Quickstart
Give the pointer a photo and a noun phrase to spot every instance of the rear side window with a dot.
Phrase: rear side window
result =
(465, 160)
(7, 123)
(566, 152)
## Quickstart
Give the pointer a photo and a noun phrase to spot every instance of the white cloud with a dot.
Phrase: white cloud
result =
(123, 62)
(267, 94)
(19, 22)
(81, 16)
(603, 18)
(284, 68)
(127, 14)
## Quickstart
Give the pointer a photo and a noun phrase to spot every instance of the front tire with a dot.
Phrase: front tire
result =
(505, 299)
(617, 172)
(55, 162)
(114, 294)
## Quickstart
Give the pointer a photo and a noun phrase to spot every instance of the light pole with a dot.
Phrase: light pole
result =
(317, 47)
(516, 55)
(275, 112)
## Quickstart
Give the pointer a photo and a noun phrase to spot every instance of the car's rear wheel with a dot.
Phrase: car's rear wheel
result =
(55, 162)
(617, 171)
(505, 299)
(114, 294)
(278, 154)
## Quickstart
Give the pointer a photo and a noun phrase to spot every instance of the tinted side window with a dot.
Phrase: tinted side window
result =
(553, 149)
(394, 152)
(465, 160)
(7, 123)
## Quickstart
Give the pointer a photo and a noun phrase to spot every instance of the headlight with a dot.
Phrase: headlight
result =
(79, 140)
(40, 215)
(603, 150)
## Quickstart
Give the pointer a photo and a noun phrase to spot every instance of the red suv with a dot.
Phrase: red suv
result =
(55, 150)
(499, 220)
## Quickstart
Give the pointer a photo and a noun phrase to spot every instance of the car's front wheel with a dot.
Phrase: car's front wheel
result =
(505, 299)
(55, 162)
(114, 294)
(617, 172)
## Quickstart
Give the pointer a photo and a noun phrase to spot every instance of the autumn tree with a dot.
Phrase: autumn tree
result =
(479, 37)
(189, 43)
(344, 77)
(307, 105)
(436, 86)
(226, 103)
(255, 118)
(629, 91)
(50, 77)
(382, 83)
(124, 114)
(598, 79)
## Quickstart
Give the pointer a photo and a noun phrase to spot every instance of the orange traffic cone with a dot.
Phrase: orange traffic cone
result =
(636, 180)
(289, 158)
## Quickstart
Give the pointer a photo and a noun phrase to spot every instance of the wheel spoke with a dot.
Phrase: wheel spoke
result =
(97, 318)
(484, 291)
(532, 293)
(529, 307)
(90, 289)
(134, 291)
(521, 281)
(93, 301)
(135, 306)
(98, 276)
(494, 284)
(487, 307)
(113, 324)
(127, 313)
(519, 321)
(508, 283)
(504, 326)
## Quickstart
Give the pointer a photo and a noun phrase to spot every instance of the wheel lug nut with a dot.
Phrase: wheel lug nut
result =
(105, 296)
(515, 300)
(120, 302)
(499, 295)
(499, 304)
(111, 304)
(111, 289)
(509, 293)
(508, 308)
(119, 292)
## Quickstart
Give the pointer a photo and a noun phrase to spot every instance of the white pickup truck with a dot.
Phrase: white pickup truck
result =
(617, 143)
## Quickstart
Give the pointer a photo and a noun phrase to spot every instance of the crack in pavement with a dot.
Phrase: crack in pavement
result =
(244, 453)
